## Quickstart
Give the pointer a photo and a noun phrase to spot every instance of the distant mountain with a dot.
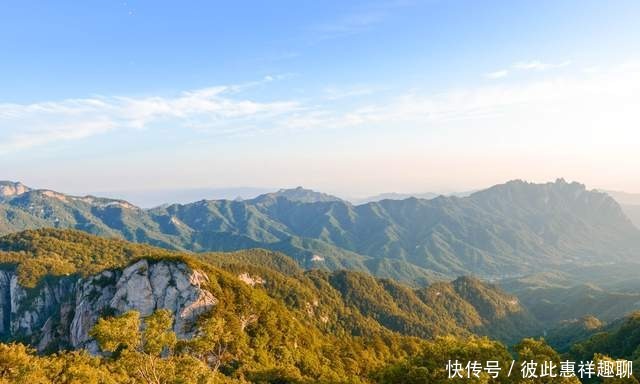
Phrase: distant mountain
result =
(510, 229)
(156, 197)
(9, 189)
(577, 303)
(300, 195)
(404, 196)
(554, 304)
(393, 196)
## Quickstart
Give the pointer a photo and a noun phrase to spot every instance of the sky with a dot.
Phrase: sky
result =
(352, 98)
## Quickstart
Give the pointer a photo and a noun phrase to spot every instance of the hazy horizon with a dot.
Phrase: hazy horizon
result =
(149, 198)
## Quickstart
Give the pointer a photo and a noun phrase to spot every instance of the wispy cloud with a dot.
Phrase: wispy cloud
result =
(348, 24)
(497, 74)
(573, 105)
(532, 65)
(537, 65)
(27, 125)
(579, 105)
(337, 93)
(357, 21)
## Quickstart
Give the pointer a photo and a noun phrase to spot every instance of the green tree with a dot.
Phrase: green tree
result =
(538, 353)
(148, 355)
(18, 365)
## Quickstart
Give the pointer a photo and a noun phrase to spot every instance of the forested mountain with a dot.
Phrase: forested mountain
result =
(109, 311)
(249, 315)
(560, 297)
(510, 229)
(46, 261)
(620, 339)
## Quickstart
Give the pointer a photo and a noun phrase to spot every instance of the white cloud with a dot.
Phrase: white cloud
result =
(578, 110)
(337, 93)
(533, 65)
(27, 125)
(497, 74)
(537, 65)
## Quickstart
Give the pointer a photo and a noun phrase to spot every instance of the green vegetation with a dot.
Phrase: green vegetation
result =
(569, 332)
(576, 302)
(38, 253)
(620, 340)
(429, 366)
(344, 301)
(277, 323)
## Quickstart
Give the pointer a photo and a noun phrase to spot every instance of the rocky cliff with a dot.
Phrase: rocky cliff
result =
(60, 312)
(8, 189)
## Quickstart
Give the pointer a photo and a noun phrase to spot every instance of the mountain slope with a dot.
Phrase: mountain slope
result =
(620, 339)
(633, 212)
(9, 189)
(630, 203)
(607, 292)
(509, 229)
(625, 198)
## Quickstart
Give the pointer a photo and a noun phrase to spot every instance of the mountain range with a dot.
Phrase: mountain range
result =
(511, 229)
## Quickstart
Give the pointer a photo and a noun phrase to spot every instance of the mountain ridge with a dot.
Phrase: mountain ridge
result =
(509, 229)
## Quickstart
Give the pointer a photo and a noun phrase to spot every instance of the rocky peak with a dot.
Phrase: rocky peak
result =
(10, 188)
(61, 312)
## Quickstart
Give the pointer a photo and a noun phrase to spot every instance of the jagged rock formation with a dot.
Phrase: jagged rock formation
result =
(60, 312)
(9, 188)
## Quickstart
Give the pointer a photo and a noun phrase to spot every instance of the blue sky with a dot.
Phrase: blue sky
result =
(348, 97)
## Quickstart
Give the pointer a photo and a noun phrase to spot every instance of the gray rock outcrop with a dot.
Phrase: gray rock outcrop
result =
(60, 312)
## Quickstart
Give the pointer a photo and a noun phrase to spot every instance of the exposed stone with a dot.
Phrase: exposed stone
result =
(62, 311)
(5, 301)
(250, 280)
(10, 189)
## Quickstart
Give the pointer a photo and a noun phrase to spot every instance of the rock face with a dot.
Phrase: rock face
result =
(8, 189)
(60, 312)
